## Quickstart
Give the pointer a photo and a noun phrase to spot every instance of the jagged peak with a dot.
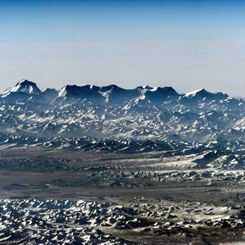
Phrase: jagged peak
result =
(24, 86)
(26, 82)
(197, 92)
(76, 91)
(111, 87)
(163, 90)
(204, 93)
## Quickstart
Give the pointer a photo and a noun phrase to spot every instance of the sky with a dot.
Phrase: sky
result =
(186, 44)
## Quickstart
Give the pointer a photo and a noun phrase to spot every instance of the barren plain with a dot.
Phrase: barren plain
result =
(77, 197)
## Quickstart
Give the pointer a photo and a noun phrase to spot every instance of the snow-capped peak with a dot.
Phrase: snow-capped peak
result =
(195, 92)
(24, 86)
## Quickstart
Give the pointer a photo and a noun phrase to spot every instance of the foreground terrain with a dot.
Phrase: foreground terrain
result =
(63, 197)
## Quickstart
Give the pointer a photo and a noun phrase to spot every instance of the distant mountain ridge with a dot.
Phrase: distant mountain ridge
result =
(31, 88)
(116, 119)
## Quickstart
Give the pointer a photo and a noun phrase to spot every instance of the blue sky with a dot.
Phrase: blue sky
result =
(184, 44)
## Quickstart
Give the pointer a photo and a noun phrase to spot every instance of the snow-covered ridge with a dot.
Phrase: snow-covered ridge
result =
(111, 117)
(28, 87)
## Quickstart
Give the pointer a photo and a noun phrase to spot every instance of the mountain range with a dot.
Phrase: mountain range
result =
(112, 118)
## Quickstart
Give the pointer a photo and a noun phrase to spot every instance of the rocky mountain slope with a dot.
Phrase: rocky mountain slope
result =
(111, 118)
